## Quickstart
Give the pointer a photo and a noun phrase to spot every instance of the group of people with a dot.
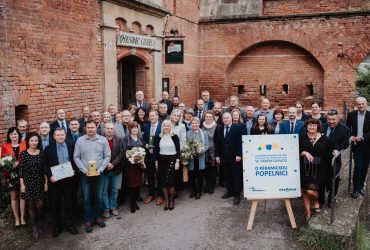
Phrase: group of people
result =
(163, 129)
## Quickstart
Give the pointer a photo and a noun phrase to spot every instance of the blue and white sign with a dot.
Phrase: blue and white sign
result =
(271, 166)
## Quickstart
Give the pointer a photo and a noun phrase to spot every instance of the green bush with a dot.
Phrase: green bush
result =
(363, 81)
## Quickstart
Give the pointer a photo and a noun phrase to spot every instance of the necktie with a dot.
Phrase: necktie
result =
(227, 131)
(63, 127)
(75, 137)
(60, 155)
(292, 128)
(200, 114)
(152, 130)
(331, 132)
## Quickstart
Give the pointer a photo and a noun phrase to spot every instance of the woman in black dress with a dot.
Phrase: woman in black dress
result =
(132, 172)
(33, 179)
(261, 127)
(315, 151)
(168, 160)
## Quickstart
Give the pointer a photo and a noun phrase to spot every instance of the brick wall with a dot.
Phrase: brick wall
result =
(184, 76)
(289, 7)
(315, 41)
(53, 52)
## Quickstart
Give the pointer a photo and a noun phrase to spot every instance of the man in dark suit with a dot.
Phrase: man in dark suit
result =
(60, 151)
(85, 117)
(74, 131)
(359, 123)
(166, 100)
(228, 143)
(140, 103)
(163, 112)
(217, 110)
(234, 105)
(60, 122)
(112, 171)
(150, 137)
(22, 126)
(44, 131)
(199, 109)
(175, 102)
(292, 126)
(338, 133)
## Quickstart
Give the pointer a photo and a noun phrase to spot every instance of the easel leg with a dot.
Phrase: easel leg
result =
(265, 206)
(251, 215)
(290, 213)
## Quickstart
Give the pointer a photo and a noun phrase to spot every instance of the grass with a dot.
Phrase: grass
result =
(319, 240)
(362, 238)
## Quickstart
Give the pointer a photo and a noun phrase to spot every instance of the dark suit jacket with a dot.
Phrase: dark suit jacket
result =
(145, 105)
(231, 146)
(55, 124)
(70, 137)
(244, 126)
(116, 156)
(285, 127)
(169, 105)
(209, 107)
(156, 138)
(51, 157)
(340, 136)
(352, 124)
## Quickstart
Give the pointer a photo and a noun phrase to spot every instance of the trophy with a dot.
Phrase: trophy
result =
(151, 141)
(91, 168)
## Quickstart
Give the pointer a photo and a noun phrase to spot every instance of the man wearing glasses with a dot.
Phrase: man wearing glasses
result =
(338, 133)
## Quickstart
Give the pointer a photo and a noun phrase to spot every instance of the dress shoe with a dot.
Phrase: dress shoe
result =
(133, 209)
(56, 232)
(149, 199)
(354, 195)
(100, 222)
(197, 196)
(362, 192)
(136, 206)
(236, 200)
(166, 205)
(192, 194)
(139, 198)
(172, 204)
(211, 190)
(72, 230)
(159, 200)
(227, 195)
(88, 227)
(176, 195)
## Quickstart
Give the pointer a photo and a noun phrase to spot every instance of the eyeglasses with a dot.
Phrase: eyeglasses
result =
(332, 112)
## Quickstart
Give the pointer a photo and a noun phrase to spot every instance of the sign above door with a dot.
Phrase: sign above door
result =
(134, 40)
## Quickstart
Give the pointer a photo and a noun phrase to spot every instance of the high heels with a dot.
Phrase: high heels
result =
(165, 205)
(172, 204)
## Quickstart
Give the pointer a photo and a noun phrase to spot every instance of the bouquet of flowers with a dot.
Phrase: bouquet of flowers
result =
(7, 165)
(191, 149)
(136, 155)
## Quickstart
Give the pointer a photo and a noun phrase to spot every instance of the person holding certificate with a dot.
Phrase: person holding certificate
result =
(59, 154)
(92, 155)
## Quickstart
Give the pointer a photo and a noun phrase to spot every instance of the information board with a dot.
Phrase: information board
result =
(271, 166)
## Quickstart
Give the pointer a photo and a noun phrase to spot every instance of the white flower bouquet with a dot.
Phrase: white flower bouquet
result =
(7, 164)
(136, 155)
(191, 149)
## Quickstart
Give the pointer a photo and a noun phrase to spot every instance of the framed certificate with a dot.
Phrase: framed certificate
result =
(62, 171)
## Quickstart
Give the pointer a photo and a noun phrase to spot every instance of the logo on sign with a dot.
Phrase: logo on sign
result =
(269, 147)
(287, 189)
(253, 189)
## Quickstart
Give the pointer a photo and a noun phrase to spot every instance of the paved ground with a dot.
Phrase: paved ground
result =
(208, 223)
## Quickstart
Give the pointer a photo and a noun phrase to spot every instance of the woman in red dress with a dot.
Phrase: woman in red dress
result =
(132, 172)
(14, 146)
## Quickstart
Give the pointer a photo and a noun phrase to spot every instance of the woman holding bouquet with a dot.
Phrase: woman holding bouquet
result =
(13, 147)
(33, 179)
(167, 162)
(132, 171)
(199, 141)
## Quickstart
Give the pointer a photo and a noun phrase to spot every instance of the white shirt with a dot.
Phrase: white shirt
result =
(167, 146)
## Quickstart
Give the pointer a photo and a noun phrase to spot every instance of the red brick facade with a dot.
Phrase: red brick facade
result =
(51, 54)
(51, 51)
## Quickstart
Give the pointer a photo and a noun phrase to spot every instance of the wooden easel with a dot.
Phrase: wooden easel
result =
(254, 208)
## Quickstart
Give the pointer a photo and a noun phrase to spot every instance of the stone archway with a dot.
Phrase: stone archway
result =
(262, 65)
(132, 76)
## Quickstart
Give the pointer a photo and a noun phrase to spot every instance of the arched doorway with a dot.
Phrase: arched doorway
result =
(363, 78)
(131, 77)
(278, 70)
